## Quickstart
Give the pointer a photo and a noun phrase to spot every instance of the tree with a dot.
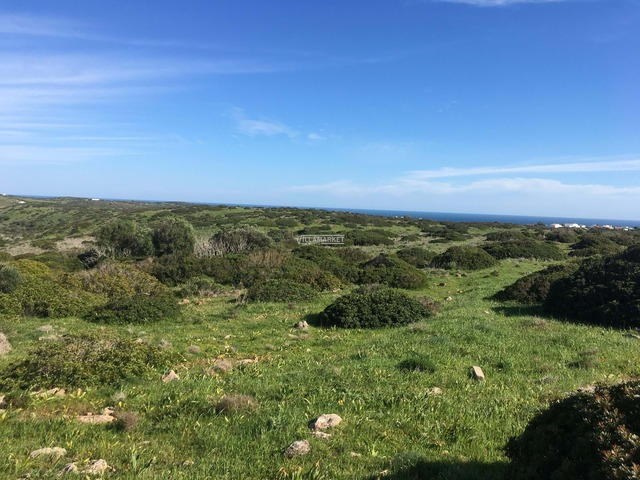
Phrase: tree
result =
(122, 238)
(174, 236)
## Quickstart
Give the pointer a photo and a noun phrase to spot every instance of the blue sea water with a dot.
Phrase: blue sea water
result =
(479, 217)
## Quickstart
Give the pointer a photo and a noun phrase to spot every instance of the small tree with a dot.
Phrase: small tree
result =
(121, 238)
(174, 236)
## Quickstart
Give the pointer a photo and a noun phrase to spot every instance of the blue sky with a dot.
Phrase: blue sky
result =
(480, 106)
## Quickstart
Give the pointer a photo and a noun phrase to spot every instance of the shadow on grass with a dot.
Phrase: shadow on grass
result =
(313, 319)
(521, 310)
(424, 470)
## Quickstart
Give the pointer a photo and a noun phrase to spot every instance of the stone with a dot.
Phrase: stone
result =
(1, 400)
(303, 325)
(355, 454)
(170, 377)
(296, 449)
(194, 349)
(477, 373)
(448, 299)
(326, 420)
(435, 391)
(222, 366)
(49, 452)
(92, 419)
(319, 434)
(69, 468)
(97, 467)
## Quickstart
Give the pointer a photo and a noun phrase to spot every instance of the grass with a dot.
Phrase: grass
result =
(391, 420)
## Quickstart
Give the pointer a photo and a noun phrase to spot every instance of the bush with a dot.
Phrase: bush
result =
(137, 309)
(369, 237)
(174, 236)
(280, 290)
(238, 240)
(39, 293)
(199, 286)
(505, 236)
(603, 291)
(172, 269)
(82, 360)
(309, 273)
(121, 238)
(382, 307)
(585, 436)
(9, 278)
(120, 280)
(329, 260)
(417, 256)
(594, 244)
(392, 272)
(464, 258)
(523, 249)
(534, 287)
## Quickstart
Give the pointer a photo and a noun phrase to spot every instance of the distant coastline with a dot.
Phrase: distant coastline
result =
(438, 216)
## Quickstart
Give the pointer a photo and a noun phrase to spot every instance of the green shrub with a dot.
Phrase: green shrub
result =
(369, 237)
(309, 273)
(382, 307)
(417, 256)
(527, 248)
(594, 244)
(174, 236)
(9, 278)
(562, 235)
(119, 280)
(172, 269)
(328, 259)
(122, 238)
(41, 294)
(464, 258)
(280, 290)
(392, 272)
(238, 240)
(585, 436)
(534, 287)
(603, 291)
(199, 286)
(139, 308)
(82, 360)
(505, 236)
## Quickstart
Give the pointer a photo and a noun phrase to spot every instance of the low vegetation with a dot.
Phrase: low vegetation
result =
(214, 340)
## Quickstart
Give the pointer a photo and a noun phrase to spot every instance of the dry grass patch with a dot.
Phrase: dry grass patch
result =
(236, 404)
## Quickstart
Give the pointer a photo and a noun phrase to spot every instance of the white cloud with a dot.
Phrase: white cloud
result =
(263, 126)
(497, 3)
(613, 165)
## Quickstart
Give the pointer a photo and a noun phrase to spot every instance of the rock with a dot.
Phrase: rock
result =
(303, 325)
(194, 349)
(97, 467)
(319, 434)
(227, 337)
(247, 361)
(222, 366)
(477, 373)
(139, 340)
(435, 391)
(165, 344)
(326, 420)
(296, 449)
(69, 468)
(92, 419)
(49, 452)
(187, 463)
(448, 299)
(355, 454)
(170, 377)
(1, 401)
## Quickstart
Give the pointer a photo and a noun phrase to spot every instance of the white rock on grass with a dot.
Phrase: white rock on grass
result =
(326, 420)
(170, 377)
(49, 452)
(97, 467)
(5, 346)
(296, 449)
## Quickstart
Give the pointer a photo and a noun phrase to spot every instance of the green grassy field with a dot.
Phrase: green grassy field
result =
(381, 382)
(393, 426)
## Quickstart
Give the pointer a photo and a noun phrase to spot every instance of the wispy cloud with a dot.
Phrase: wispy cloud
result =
(252, 127)
(613, 165)
(496, 3)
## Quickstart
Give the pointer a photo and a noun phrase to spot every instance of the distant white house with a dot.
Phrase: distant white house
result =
(555, 225)
(95, 199)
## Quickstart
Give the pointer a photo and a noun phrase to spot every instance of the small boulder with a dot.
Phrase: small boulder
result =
(170, 377)
(326, 420)
(435, 391)
(296, 449)
(91, 419)
(477, 373)
(97, 467)
(303, 325)
(49, 452)
(69, 468)
(319, 434)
